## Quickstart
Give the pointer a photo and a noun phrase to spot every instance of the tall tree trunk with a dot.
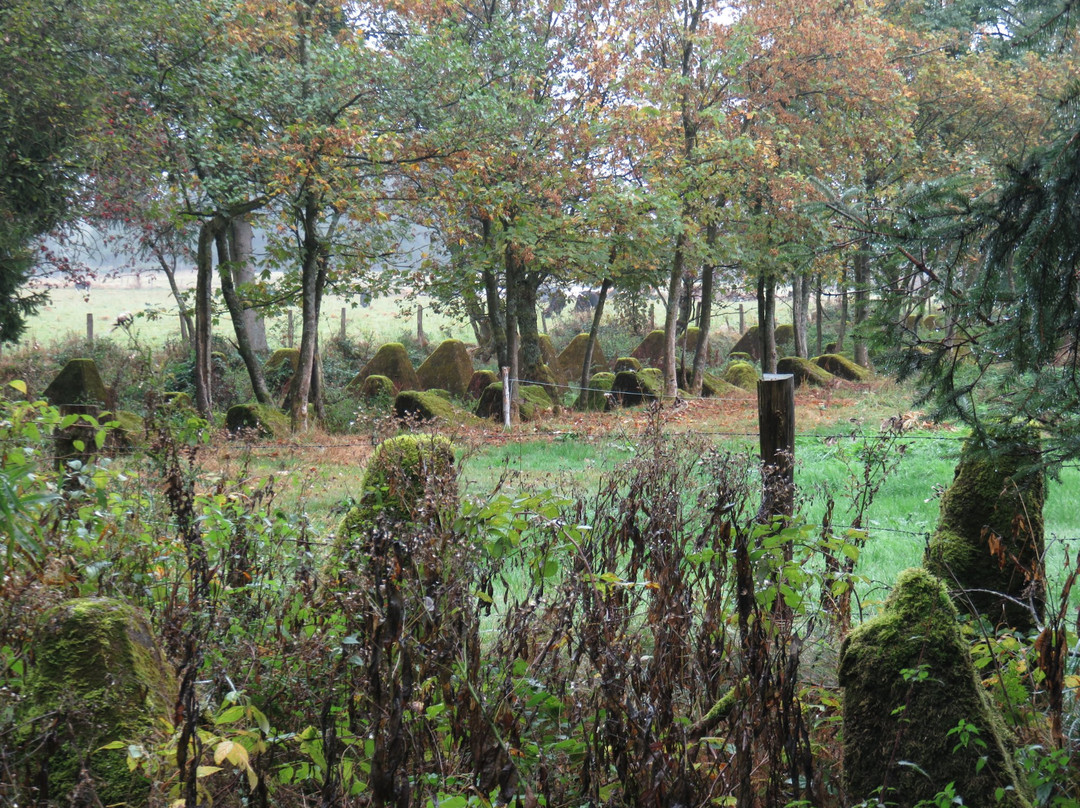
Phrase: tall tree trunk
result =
(701, 353)
(226, 256)
(671, 316)
(862, 298)
(590, 346)
(204, 400)
(243, 274)
(820, 314)
(841, 331)
(498, 316)
(766, 295)
(312, 281)
(800, 313)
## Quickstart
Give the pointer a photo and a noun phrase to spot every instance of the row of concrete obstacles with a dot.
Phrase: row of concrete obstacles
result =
(916, 717)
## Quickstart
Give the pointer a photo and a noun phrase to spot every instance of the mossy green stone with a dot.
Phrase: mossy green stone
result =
(804, 371)
(447, 368)
(749, 344)
(650, 351)
(534, 401)
(264, 420)
(908, 681)
(376, 387)
(715, 386)
(630, 388)
(480, 380)
(595, 398)
(403, 477)
(842, 367)
(428, 406)
(573, 356)
(392, 361)
(98, 677)
(995, 490)
(627, 363)
(784, 334)
(78, 383)
(742, 375)
(283, 359)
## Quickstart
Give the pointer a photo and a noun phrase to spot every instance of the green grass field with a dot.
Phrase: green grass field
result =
(157, 320)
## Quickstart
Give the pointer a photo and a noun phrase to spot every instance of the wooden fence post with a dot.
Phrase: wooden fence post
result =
(506, 397)
(742, 320)
(342, 323)
(289, 336)
(776, 422)
(89, 327)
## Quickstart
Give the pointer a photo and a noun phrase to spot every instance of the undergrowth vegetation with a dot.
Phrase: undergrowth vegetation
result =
(653, 640)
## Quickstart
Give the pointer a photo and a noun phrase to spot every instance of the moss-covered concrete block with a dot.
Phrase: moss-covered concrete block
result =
(742, 375)
(627, 363)
(479, 381)
(392, 361)
(534, 402)
(263, 420)
(449, 367)
(78, 383)
(650, 351)
(842, 367)
(98, 677)
(377, 388)
(749, 344)
(804, 371)
(629, 389)
(568, 365)
(542, 376)
(715, 386)
(409, 478)
(595, 397)
(990, 535)
(428, 406)
(909, 684)
(784, 334)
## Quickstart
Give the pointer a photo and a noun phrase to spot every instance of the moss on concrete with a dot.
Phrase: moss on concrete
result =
(428, 406)
(392, 361)
(543, 377)
(842, 367)
(408, 478)
(595, 398)
(650, 351)
(480, 380)
(377, 388)
(784, 334)
(715, 386)
(130, 429)
(570, 360)
(627, 363)
(630, 388)
(742, 375)
(265, 421)
(98, 676)
(449, 367)
(908, 681)
(749, 344)
(78, 383)
(995, 501)
(804, 371)
(534, 402)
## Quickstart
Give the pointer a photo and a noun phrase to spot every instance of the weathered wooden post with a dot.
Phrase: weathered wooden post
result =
(742, 320)
(420, 326)
(776, 422)
(342, 323)
(89, 327)
(290, 333)
(506, 396)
